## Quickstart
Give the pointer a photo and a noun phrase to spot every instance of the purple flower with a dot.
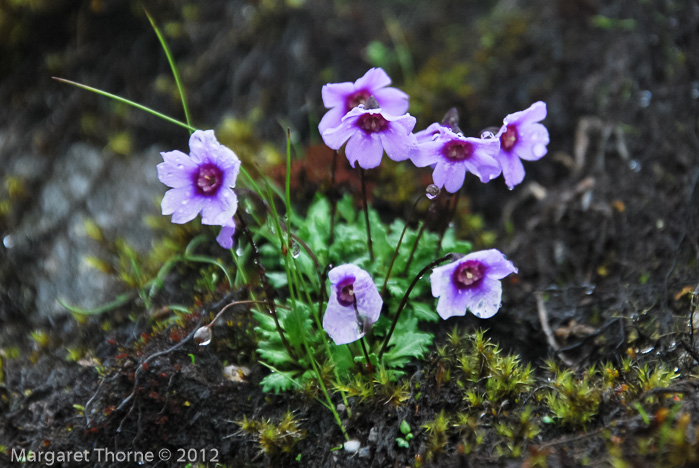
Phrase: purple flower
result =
(354, 304)
(225, 236)
(201, 182)
(370, 132)
(453, 155)
(341, 98)
(471, 282)
(522, 137)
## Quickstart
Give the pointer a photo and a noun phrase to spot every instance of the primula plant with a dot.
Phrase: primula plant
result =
(339, 299)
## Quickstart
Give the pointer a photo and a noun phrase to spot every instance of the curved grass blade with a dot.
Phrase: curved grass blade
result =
(173, 67)
(126, 101)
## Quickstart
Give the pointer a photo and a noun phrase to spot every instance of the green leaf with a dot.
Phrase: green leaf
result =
(424, 312)
(345, 208)
(405, 427)
(407, 343)
(279, 381)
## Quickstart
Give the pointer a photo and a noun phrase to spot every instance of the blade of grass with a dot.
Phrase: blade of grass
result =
(126, 101)
(173, 67)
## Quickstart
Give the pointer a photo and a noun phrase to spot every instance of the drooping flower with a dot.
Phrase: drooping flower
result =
(453, 155)
(225, 236)
(201, 182)
(341, 98)
(370, 131)
(522, 137)
(471, 282)
(354, 304)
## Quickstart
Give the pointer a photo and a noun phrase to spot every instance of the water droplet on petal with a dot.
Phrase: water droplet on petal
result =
(432, 191)
(510, 188)
(180, 166)
(487, 135)
(184, 202)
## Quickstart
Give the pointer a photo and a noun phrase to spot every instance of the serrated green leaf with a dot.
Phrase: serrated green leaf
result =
(407, 343)
(345, 208)
(279, 382)
(424, 312)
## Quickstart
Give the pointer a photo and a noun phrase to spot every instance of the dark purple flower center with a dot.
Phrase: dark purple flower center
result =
(345, 292)
(468, 274)
(208, 179)
(357, 98)
(372, 123)
(457, 150)
(508, 138)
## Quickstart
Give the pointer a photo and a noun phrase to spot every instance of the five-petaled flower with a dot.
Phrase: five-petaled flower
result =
(454, 155)
(471, 282)
(341, 98)
(370, 131)
(522, 137)
(354, 304)
(201, 182)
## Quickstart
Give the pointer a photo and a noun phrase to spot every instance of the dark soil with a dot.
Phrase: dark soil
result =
(605, 226)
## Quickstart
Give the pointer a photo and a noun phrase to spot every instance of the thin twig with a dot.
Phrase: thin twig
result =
(543, 318)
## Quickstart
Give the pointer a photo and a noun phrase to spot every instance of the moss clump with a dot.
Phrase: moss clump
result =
(275, 438)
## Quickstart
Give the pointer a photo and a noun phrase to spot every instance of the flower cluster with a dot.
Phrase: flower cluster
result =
(372, 118)
(202, 182)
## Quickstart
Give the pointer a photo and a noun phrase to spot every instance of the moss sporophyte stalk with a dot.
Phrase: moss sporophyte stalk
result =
(323, 326)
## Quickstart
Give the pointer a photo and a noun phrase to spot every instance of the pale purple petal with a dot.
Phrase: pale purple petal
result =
(428, 134)
(225, 236)
(512, 168)
(486, 298)
(337, 136)
(448, 175)
(428, 153)
(341, 322)
(534, 113)
(335, 95)
(482, 161)
(440, 279)
(201, 143)
(453, 302)
(176, 170)
(455, 178)
(533, 140)
(366, 149)
(392, 100)
(331, 119)
(498, 266)
(398, 144)
(182, 203)
(220, 209)
(372, 80)
(481, 294)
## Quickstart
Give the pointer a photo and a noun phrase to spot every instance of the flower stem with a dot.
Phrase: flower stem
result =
(362, 341)
(404, 301)
(333, 199)
(412, 252)
(400, 241)
(265, 285)
(450, 216)
(366, 216)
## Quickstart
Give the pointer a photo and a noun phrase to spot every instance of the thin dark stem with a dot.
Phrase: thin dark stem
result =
(450, 216)
(266, 285)
(400, 241)
(228, 306)
(333, 198)
(362, 341)
(366, 216)
(404, 301)
(412, 252)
